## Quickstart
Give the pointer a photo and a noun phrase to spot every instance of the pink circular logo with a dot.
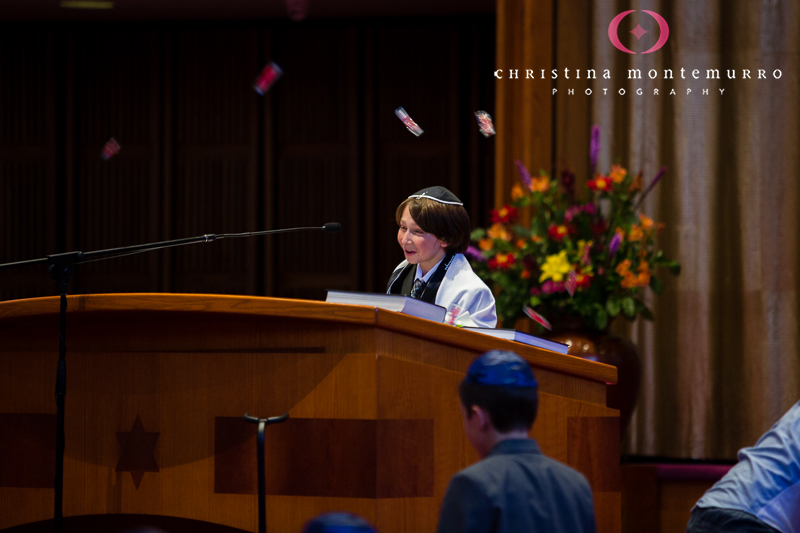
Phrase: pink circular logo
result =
(613, 30)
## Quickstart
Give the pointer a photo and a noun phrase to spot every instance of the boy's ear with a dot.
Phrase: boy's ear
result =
(482, 414)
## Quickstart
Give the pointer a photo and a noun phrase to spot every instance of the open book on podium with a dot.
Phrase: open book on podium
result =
(390, 302)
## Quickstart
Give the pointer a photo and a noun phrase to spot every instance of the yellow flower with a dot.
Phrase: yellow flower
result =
(617, 174)
(486, 244)
(555, 267)
(498, 231)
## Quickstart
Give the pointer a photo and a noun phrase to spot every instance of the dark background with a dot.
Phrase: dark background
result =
(202, 152)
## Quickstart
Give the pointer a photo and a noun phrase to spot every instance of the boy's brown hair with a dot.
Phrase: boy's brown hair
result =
(448, 223)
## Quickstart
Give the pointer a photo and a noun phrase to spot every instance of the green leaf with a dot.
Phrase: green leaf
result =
(646, 313)
(522, 231)
(535, 300)
(477, 234)
(601, 320)
(674, 267)
(612, 306)
(629, 307)
(656, 284)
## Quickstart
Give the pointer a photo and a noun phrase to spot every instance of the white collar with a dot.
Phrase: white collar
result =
(427, 276)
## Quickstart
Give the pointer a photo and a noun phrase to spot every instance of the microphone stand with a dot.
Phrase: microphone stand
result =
(262, 484)
(61, 267)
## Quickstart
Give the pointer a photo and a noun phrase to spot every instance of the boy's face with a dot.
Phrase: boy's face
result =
(419, 247)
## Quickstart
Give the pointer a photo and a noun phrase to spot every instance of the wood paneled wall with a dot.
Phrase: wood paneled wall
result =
(202, 152)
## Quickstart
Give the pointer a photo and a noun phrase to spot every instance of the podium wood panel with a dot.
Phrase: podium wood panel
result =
(157, 382)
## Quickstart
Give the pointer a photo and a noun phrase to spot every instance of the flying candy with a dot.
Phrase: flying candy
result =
(572, 282)
(267, 78)
(485, 123)
(452, 315)
(536, 317)
(110, 149)
(410, 124)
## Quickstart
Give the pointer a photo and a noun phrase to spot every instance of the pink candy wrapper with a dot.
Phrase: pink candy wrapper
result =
(572, 283)
(267, 78)
(110, 149)
(536, 317)
(410, 124)
(485, 123)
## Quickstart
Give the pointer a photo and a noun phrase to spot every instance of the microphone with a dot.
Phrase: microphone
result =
(78, 258)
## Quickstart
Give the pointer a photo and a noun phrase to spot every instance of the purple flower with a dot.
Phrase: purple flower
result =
(585, 257)
(572, 212)
(568, 179)
(524, 174)
(590, 209)
(653, 183)
(594, 147)
(549, 287)
(613, 246)
(474, 254)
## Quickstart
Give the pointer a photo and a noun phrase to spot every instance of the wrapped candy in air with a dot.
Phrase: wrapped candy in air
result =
(267, 78)
(410, 124)
(485, 123)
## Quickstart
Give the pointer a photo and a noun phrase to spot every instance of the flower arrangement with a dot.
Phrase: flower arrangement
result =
(589, 260)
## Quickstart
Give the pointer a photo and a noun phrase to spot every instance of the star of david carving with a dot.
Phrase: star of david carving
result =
(137, 456)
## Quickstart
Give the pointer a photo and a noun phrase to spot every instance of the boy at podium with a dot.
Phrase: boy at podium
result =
(514, 487)
(434, 233)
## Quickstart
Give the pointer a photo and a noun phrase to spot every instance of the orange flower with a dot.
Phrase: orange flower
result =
(536, 238)
(501, 261)
(517, 192)
(620, 231)
(498, 231)
(636, 184)
(624, 267)
(540, 183)
(557, 233)
(486, 244)
(617, 174)
(600, 183)
(584, 280)
(647, 223)
(636, 233)
(521, 243)
(525, 274)
(631, 280)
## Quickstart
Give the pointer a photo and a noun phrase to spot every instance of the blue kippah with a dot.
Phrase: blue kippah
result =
(338, 523)
(501, 369)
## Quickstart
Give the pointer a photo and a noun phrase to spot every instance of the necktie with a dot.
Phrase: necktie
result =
(416, 290)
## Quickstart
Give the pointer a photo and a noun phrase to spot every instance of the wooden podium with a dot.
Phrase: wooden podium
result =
(157, 385)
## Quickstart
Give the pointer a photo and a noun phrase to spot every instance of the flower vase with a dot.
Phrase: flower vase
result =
(603, 347)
